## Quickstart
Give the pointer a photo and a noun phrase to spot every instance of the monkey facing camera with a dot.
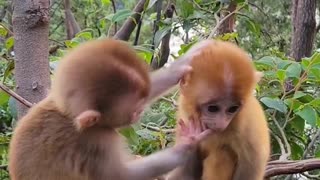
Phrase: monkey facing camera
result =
(218, 93)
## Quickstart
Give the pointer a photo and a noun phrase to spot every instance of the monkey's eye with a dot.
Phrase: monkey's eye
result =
(213, 108)
(233, 109)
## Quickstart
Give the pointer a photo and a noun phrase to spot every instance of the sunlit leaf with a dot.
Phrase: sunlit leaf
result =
(106, 2)
(4, 98)
(281, 74)
(3, 31)
(9, 42)
(315, 102)
(130, 134)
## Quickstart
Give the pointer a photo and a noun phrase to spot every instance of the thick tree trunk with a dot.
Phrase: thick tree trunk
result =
(227, 26)
(303, 28)
(31, 31)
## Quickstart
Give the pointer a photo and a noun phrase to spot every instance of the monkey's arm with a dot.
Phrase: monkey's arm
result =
(157, 164)
(167, 77)
(191, 170)
(164, 161)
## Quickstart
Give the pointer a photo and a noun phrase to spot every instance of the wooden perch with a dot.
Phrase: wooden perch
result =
(129, 25)
(275, 168)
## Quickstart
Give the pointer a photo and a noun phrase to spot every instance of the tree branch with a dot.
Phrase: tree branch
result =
(275, 168)
(15, 96)
(129, 25)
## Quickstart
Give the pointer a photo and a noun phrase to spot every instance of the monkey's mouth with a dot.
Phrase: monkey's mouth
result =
(213, 127)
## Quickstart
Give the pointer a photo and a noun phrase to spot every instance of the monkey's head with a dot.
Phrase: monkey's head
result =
(101, 83)
(223, 77)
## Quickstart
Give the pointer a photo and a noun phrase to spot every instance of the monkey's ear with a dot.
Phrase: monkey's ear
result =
(184, 81)
(258, 75)
(87, 119)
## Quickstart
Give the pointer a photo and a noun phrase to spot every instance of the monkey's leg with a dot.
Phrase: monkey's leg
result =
(219, 165)
(250, 169)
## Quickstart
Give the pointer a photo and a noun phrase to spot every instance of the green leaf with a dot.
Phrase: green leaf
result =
(308, 114)
(315, 58)
(276, 104)
(253, 27)
(315, 103)
(298, 94)
(130, 134)
(297, 151)
(4, 98)
(9, 42)
(294, 70)
(298, 123)
(122, 15)
(160, 34)
(84, 34)
(293, 103)
(281, 74)
(305, 63)
(106, 2)
(267, 60)
(13, 107)
(315, 72)
(3, 31)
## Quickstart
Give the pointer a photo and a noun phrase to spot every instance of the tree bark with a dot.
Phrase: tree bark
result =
(129, 25)
(227, 26)
(161, 60)
(303, 28)
(31, 31)
(72, 26)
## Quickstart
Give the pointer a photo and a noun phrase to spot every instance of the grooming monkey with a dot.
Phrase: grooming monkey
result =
(218, 92)
(72, 134)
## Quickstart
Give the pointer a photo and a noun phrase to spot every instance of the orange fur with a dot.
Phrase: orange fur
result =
(222, 75)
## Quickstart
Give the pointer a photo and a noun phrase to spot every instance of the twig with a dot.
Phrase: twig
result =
(219, 22)
(114, 11)
(283, 137)
(313, 141)
(16, 96)
(202, 9)
(152, 128)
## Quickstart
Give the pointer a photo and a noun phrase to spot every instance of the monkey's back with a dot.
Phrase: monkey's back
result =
(46, 146)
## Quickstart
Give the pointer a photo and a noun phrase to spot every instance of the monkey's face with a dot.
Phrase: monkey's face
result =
(217, 114)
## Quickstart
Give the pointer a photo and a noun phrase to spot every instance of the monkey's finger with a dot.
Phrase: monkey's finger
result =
(203, 135)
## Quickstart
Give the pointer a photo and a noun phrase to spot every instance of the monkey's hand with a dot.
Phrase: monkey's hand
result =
(167, 77)
(191, 134)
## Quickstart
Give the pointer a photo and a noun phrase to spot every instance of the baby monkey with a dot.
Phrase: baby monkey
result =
(98, 87)
(218, 93)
